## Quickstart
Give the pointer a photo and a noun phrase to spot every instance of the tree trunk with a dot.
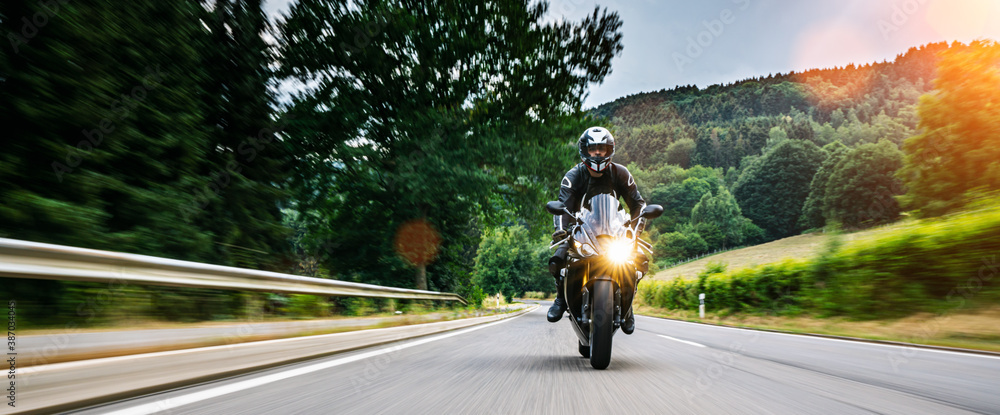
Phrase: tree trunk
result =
(421, 277)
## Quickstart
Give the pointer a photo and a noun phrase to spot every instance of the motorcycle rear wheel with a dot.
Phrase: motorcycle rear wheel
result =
(602, 323)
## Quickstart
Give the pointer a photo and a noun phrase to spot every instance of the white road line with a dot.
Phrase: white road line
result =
(861, 342)
(174, 402)
(682, 341)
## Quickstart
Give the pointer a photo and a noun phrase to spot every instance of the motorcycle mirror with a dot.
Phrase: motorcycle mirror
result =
(651, 211)
(556, 207)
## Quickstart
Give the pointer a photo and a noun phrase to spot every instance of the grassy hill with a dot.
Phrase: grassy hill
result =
(799, 247)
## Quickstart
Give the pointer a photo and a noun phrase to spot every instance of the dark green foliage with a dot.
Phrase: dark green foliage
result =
(722, 212)
(771, 191)
(398, 125)
(862, 189)
(106, 119)
(676, 246)
(510, 262)
(247, 163)
(679, 152)
(126, 123)
(812, 209)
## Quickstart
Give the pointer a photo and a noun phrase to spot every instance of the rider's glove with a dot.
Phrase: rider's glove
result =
(559, 235)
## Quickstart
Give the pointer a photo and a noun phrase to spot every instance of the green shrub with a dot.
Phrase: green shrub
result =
(928, 266)
(308, 306)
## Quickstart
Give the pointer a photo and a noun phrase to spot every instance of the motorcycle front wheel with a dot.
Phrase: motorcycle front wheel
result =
(602, 323)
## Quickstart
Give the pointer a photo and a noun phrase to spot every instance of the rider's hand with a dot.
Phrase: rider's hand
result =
(559, 235)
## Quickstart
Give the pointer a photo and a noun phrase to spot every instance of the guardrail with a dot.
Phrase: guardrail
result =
(23, 259)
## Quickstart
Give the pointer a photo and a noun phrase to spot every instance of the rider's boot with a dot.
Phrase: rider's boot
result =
(628, 326)
(559, 305)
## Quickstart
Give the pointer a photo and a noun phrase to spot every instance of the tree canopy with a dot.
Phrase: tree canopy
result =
(398, 125)
(862, 189)
(772, 190)
(958, 152)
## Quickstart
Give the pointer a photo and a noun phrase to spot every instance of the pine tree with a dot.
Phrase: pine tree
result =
(103, 105)
(248, 162)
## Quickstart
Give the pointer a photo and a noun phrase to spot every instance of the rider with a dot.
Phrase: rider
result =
(596, 174)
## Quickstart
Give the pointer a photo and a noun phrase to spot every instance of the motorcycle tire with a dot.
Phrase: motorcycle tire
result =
(602, 324)
(584, 350)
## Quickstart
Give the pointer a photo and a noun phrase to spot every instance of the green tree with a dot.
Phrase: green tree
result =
(508, 262)
(105, 110)
(812, 210)
(862, 189)
(676, 246)
(771, 191)
(679, 152)
(723, 212)
(958, 153)
(248, 163)
(776, 136)
(442, 111)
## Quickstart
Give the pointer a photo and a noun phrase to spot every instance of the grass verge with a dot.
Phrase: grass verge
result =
(977, 330)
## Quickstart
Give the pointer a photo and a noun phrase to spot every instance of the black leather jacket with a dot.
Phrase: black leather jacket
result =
(578, 186)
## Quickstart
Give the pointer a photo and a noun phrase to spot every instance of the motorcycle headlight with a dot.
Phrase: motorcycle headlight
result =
(585, 249)
(620, 250)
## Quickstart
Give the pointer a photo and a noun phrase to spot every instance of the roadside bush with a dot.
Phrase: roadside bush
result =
(928, 266)
(308, 306)
(355, 306)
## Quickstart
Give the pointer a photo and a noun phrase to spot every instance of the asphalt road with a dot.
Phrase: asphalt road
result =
(529, 366)
(68, 344)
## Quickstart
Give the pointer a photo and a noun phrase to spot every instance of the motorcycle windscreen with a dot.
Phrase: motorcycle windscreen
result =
(603, 217)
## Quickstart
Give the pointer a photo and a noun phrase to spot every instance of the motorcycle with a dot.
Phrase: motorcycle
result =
(604, 265)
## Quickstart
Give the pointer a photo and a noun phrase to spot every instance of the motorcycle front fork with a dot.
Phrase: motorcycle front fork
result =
(619, 318)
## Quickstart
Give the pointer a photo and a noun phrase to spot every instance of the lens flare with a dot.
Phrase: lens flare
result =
(417, 242)
(620, 250)
(963, 20)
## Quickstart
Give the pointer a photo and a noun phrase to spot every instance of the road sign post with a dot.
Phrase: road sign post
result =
(701, 305)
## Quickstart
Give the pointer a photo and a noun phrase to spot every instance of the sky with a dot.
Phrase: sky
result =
(705, 42)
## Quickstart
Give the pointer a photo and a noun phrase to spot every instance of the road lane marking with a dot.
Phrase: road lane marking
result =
(861, 342)
(682, 341)
(174, 402)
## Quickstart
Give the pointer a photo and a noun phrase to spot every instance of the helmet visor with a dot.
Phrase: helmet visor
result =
(598, 150)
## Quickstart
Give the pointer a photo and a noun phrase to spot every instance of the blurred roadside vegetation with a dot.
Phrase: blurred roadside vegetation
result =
(96, 305)
(934, 265)
(206, 130)
(157, 128)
